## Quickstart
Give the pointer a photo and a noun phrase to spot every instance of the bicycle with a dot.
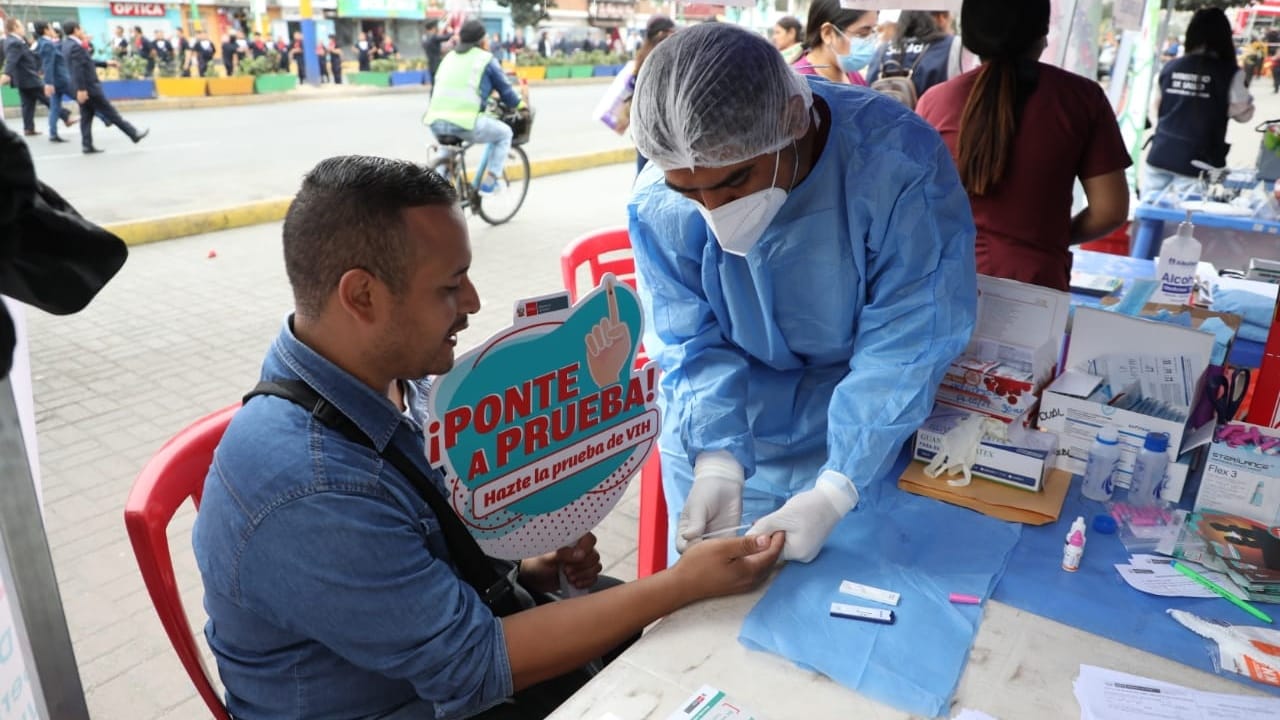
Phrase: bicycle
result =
(504, 202)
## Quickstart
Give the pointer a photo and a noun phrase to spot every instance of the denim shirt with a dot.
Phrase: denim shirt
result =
(328, 585)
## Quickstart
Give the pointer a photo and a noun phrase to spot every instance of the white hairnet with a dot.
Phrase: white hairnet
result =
(715, 95)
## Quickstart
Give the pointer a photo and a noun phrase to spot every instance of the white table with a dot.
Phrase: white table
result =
(1021, 666)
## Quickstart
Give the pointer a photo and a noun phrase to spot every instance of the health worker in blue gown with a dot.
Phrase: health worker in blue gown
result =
(805, 259)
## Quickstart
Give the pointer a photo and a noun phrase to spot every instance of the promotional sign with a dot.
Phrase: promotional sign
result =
(539, 429)
(129, 9)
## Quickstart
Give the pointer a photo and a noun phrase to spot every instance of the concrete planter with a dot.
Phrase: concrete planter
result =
(531, 72)
(557, 72)
(581, 71)
(606, 70)
(236, 85)
(9, 97)
(275, 83)
(409, 77)
(182, 87)
(376, 79)
(129, 89)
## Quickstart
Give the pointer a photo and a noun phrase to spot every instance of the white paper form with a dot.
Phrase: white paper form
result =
(1155, 575)
(967, 714)
(1109, 695)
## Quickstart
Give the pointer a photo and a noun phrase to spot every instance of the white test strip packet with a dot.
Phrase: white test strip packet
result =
(866, 592)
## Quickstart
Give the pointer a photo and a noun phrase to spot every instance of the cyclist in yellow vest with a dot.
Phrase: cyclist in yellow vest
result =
(466, 78)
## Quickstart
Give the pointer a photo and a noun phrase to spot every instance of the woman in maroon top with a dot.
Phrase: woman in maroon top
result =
(1021, 133)
(838, 42)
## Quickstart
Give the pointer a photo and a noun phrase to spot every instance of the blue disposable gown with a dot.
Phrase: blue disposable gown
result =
(823, 346)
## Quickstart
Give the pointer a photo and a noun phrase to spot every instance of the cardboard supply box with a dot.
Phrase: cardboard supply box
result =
(1024, 463)
(1066, 409)
(1013, 352)
(1242, 473)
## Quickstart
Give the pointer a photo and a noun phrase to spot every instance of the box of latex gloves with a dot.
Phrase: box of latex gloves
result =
(1012, 455)
(1139, 375)
(1013, 352)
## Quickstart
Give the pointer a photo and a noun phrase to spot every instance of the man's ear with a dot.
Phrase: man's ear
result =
(361, 295)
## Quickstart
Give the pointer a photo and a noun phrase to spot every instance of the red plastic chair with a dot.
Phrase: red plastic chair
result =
(176, 472)
(606, 251)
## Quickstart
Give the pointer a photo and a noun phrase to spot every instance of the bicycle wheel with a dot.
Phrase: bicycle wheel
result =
(513, 184)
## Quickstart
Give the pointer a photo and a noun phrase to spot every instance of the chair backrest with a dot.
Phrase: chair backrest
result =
(603, 251)
(176, 472)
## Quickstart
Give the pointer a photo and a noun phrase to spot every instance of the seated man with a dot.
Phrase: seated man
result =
(466, 78)
(333, 590)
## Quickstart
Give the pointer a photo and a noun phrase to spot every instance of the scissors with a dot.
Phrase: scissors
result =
(1227, 393)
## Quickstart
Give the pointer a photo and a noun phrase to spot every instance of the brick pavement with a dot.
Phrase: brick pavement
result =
(177, 335)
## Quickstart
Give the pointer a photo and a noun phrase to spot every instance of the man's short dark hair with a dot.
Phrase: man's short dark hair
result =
(69, 27)
(40, 27)
(348, 215)
(433, 24)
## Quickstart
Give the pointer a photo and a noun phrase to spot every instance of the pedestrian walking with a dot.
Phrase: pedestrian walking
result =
(56, 78)
(23, 70)
(230, 52)
(83, 72)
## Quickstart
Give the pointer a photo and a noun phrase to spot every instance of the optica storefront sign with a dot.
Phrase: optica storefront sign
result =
(383, 8)
(129, 9)
(539, 429)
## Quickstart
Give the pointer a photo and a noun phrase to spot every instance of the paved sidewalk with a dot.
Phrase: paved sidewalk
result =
(177, 335)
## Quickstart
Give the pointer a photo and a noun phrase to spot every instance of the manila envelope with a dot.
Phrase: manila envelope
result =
(993, 499)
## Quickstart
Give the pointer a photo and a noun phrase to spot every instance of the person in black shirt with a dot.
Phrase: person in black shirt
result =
(322, 60)
(88, 89)
(282, 50)
(364, 51)
(203, 52)
(335, 58)
(119, 43)
(433, 45)
(295, 52)
(163, 51)
(144, 48)
(181, 47)
(258, 47)
(229, 50)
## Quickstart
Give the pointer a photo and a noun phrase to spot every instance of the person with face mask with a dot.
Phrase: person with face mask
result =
(839, 42)
(804, 252)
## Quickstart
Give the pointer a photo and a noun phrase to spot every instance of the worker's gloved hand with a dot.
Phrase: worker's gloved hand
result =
(715, 502)
(809, 516)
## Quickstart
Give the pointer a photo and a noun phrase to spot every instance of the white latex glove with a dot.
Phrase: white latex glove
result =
(809, 516)
(715, 502)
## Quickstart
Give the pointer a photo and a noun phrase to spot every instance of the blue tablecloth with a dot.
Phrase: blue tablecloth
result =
(1244, 353)
(1096, 600)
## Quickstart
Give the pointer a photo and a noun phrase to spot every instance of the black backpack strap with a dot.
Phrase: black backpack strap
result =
(476, 568)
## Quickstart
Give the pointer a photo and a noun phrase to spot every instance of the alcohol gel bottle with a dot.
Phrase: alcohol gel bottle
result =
(1103, 456)
(1176, 273)
(1148, 471)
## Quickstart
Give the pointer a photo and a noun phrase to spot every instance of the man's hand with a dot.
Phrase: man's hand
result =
(580, 561)
(48, 91)
(727, 566)
(82, 96)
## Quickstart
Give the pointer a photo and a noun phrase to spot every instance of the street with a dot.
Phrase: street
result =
(178, 334)
(196, 160)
